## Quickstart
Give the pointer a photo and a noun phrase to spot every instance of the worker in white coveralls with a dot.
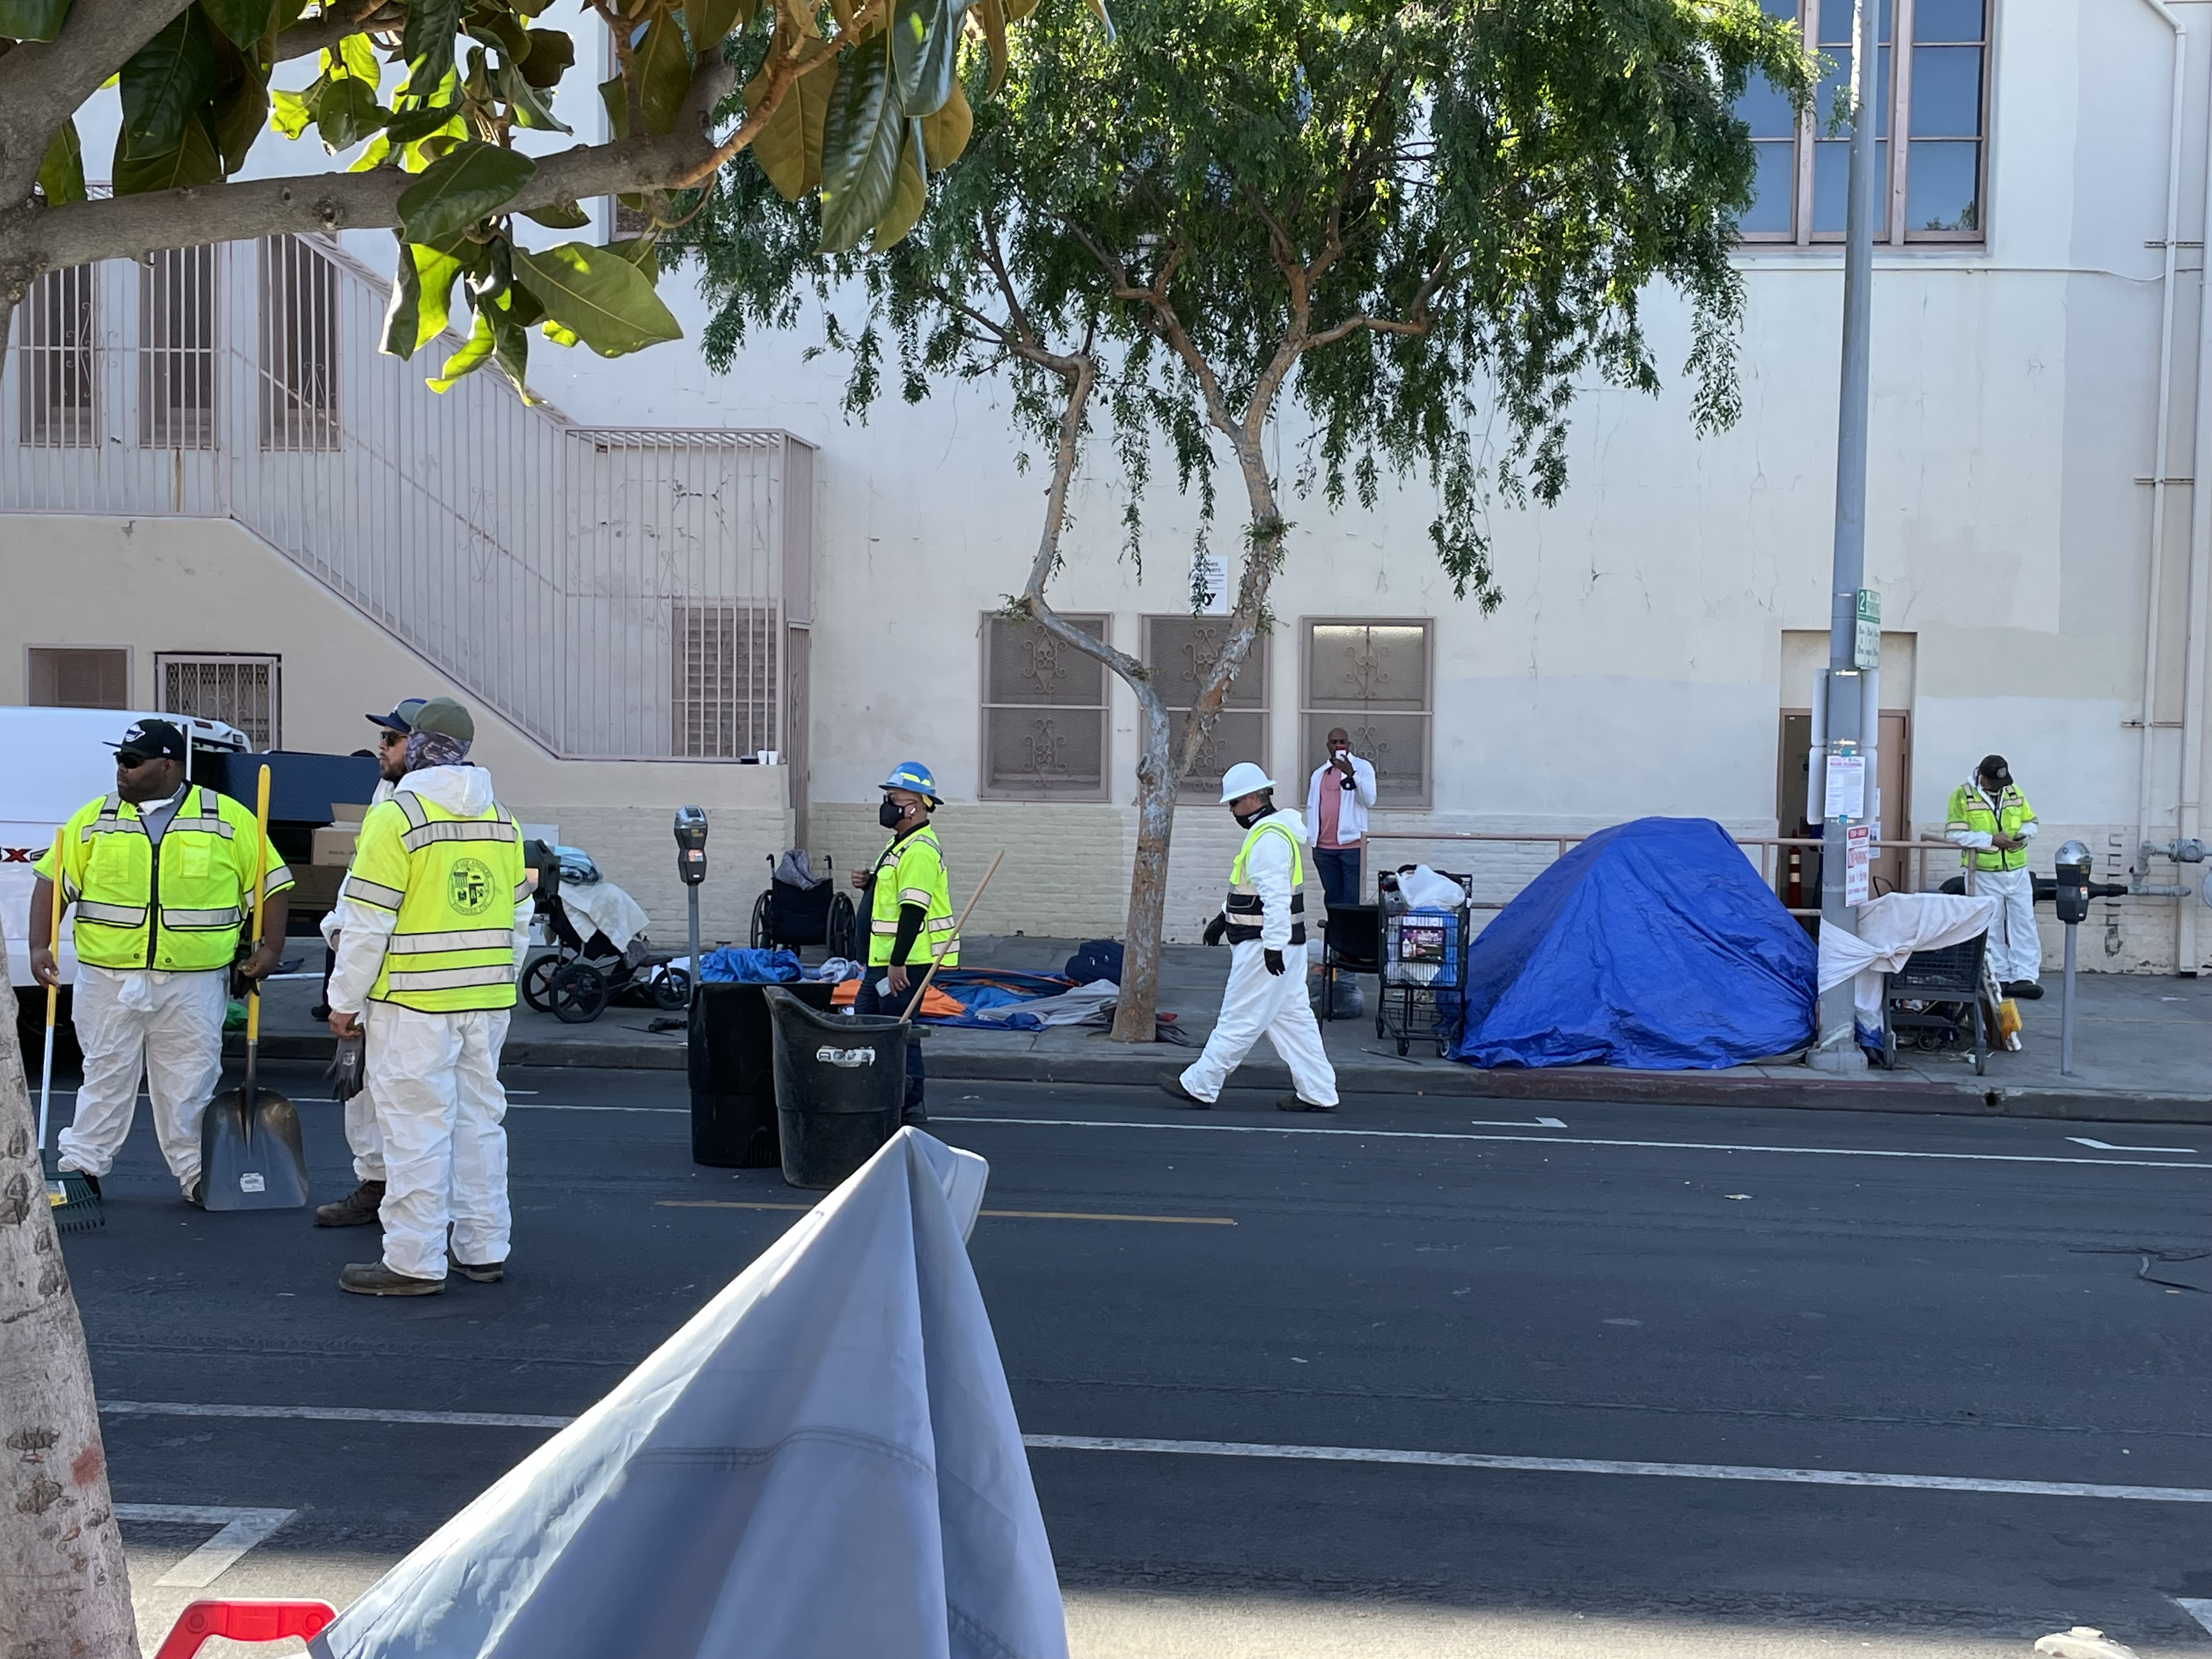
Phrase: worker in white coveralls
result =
(359, 1208)
(1264, 923)
(1992, 820)
(433, 924)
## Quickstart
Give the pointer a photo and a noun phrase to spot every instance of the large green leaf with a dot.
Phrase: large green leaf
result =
(164, 83)
(240, 112)
(460, 187)
(61, 174)
(473, 350)
(552, 54)
(427, 41)
(558, 215)
(993, 16)
(288, 112)
(346, 112)
(909, 194)
(617, 100)
(403, 312)
(356, 56)
(194, 162)
(413, 125)
(597, 295)
(436, 269)
(244, 20)
(531, 107)
(709, 21)
(861, 140)
(32, 20)
(945, 135)
(663, 67)
(510, 345)
(642, 252)
(925, 36)
(789, 148)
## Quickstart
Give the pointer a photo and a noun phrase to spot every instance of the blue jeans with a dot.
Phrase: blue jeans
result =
(1339, 873)
(870, 1001)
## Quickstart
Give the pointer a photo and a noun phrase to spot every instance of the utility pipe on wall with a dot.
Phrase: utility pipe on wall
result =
(2200, 579)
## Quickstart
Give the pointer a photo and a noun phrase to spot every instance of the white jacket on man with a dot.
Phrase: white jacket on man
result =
(1268, 870)
(1351, 804)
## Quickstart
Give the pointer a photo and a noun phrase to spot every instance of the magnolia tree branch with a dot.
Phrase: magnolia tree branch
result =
(43, 83)
(336, 23)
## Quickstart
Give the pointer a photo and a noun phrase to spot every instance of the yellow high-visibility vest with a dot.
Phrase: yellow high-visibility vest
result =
(1244, 912)
(1971, 810)
(453, 884)
(181, 912)
(911, 870)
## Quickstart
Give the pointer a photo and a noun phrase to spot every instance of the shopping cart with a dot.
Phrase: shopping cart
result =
(1423, 973)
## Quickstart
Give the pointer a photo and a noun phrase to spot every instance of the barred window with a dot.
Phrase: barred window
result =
(1182, 652)
(723, 695)
(237, 689)
(1372, 678)
(1044, 713)
(176, 350)
(54, 360)
(1937, 93)
(80, 677)
(299, 346)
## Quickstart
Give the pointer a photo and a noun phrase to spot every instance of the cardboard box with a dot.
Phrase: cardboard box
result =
(316, 888)
(345, 812)
(335, 844)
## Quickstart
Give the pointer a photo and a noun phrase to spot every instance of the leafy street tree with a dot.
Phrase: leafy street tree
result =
(437, 90)
(1418, 224)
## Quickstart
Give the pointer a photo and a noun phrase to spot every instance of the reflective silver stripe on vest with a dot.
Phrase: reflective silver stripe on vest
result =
(276, 882)
(410, 808)
(372, 893)
(466, 938)
(447, 979)
(458, 830)
(202, 826)
(111, 915)
(200, 920)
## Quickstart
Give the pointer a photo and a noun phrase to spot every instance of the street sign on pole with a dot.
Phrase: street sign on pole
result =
(1866, 647)
(1858, 862)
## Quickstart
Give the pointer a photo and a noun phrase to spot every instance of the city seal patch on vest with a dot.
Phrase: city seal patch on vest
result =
(470, 887)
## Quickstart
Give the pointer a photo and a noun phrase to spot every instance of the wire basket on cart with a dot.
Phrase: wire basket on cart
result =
(1424, 976)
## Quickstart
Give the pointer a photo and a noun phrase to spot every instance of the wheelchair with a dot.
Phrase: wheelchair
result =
(792, 915)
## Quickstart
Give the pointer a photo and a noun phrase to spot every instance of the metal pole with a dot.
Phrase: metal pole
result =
(2066, 1014)
(1837, 1049)
(692, 894)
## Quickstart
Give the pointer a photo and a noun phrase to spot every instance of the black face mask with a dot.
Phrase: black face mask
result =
(1246, 820)
(890, 814)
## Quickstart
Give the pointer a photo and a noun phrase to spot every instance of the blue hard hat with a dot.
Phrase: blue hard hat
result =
(913, 775)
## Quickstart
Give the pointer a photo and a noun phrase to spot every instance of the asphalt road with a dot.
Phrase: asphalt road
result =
(1698, 1289)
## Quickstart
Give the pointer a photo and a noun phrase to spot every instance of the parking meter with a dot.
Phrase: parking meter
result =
(2072, 870)
(691, 870)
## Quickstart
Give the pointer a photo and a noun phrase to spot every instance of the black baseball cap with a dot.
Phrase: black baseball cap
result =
(151, 740)
(402, 717)
(1994, 768)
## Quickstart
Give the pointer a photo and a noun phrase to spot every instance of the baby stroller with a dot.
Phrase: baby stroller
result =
(802, 908)
(577, 979)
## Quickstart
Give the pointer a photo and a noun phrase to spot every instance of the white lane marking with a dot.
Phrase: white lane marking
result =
(239, 1531)
(1507, 1123)
(2084, 1140)
(1605, 1466)
(555, 1106)
(1315, 1453)
(2196, 1608)
(1572, 1140)
(335, 1414)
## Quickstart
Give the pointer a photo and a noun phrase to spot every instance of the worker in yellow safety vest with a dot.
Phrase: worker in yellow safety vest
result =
(1264, 922)
(909, 906)
(433, 924)
(160, 876)
(1992, 821)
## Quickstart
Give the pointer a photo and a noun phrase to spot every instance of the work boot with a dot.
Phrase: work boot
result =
(1173, 1086)
(1295, 1103)
(484, 1273)
(375, 1278)
(356, 1209)
(194, 1195)
(2024, 990)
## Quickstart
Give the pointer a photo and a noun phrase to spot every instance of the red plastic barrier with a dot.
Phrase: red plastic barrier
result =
(244, 1621)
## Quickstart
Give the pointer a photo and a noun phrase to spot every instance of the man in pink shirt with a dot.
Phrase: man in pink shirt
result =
(1337, 799)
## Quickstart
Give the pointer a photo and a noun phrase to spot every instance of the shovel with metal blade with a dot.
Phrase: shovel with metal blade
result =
(251, 1157)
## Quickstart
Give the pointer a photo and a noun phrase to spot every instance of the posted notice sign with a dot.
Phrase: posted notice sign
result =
(1858, 861)
(1866, 639)
(1845, 795)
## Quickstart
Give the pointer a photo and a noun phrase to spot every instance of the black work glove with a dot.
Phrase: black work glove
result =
(1275, 964)
(1217, 929)
(347, 1069)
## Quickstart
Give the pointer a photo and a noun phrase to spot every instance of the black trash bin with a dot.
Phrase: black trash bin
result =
(733, 1074)
(840, 1088)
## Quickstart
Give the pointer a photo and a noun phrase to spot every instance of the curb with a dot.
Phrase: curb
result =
(1567, 1085)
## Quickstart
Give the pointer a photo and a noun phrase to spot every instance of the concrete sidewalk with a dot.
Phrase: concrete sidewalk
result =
(2142, 1053)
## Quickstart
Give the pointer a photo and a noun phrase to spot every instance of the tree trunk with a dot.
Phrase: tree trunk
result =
(64, 1590)
(1158, 780)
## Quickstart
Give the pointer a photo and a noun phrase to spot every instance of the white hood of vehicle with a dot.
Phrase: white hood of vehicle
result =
(464, 791)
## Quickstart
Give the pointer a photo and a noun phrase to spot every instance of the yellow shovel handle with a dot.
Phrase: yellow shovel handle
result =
(54, 934)
(260, 881)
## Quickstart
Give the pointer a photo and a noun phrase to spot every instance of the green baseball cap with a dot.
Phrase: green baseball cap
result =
(447, 719)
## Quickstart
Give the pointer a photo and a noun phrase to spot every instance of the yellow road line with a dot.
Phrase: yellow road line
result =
(1011, 1215)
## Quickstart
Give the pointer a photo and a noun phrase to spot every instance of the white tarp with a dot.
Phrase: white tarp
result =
(1890, 929)
(603, 906)
(823, 1464)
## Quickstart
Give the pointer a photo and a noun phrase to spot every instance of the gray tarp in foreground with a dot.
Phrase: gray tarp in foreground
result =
(824, 1462)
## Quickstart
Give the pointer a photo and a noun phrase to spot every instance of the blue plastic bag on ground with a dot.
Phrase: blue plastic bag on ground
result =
(735, 965)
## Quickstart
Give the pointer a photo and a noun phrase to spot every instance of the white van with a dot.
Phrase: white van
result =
(51, 761)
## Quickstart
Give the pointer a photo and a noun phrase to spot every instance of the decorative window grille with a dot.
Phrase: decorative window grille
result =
(239, 690)
(1372, 678)
(1044, 713)
(1935, 91)
(54, 361)
(724, 692)
(1182, 652)
(80, 677)
(299, 329)
(176, 350)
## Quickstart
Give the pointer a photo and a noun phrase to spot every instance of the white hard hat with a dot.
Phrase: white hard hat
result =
(1243, 779)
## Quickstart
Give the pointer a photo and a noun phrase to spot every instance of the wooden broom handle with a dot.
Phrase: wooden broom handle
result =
(957, 927)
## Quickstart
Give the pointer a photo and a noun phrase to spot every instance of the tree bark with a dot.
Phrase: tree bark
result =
(64, 1593)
